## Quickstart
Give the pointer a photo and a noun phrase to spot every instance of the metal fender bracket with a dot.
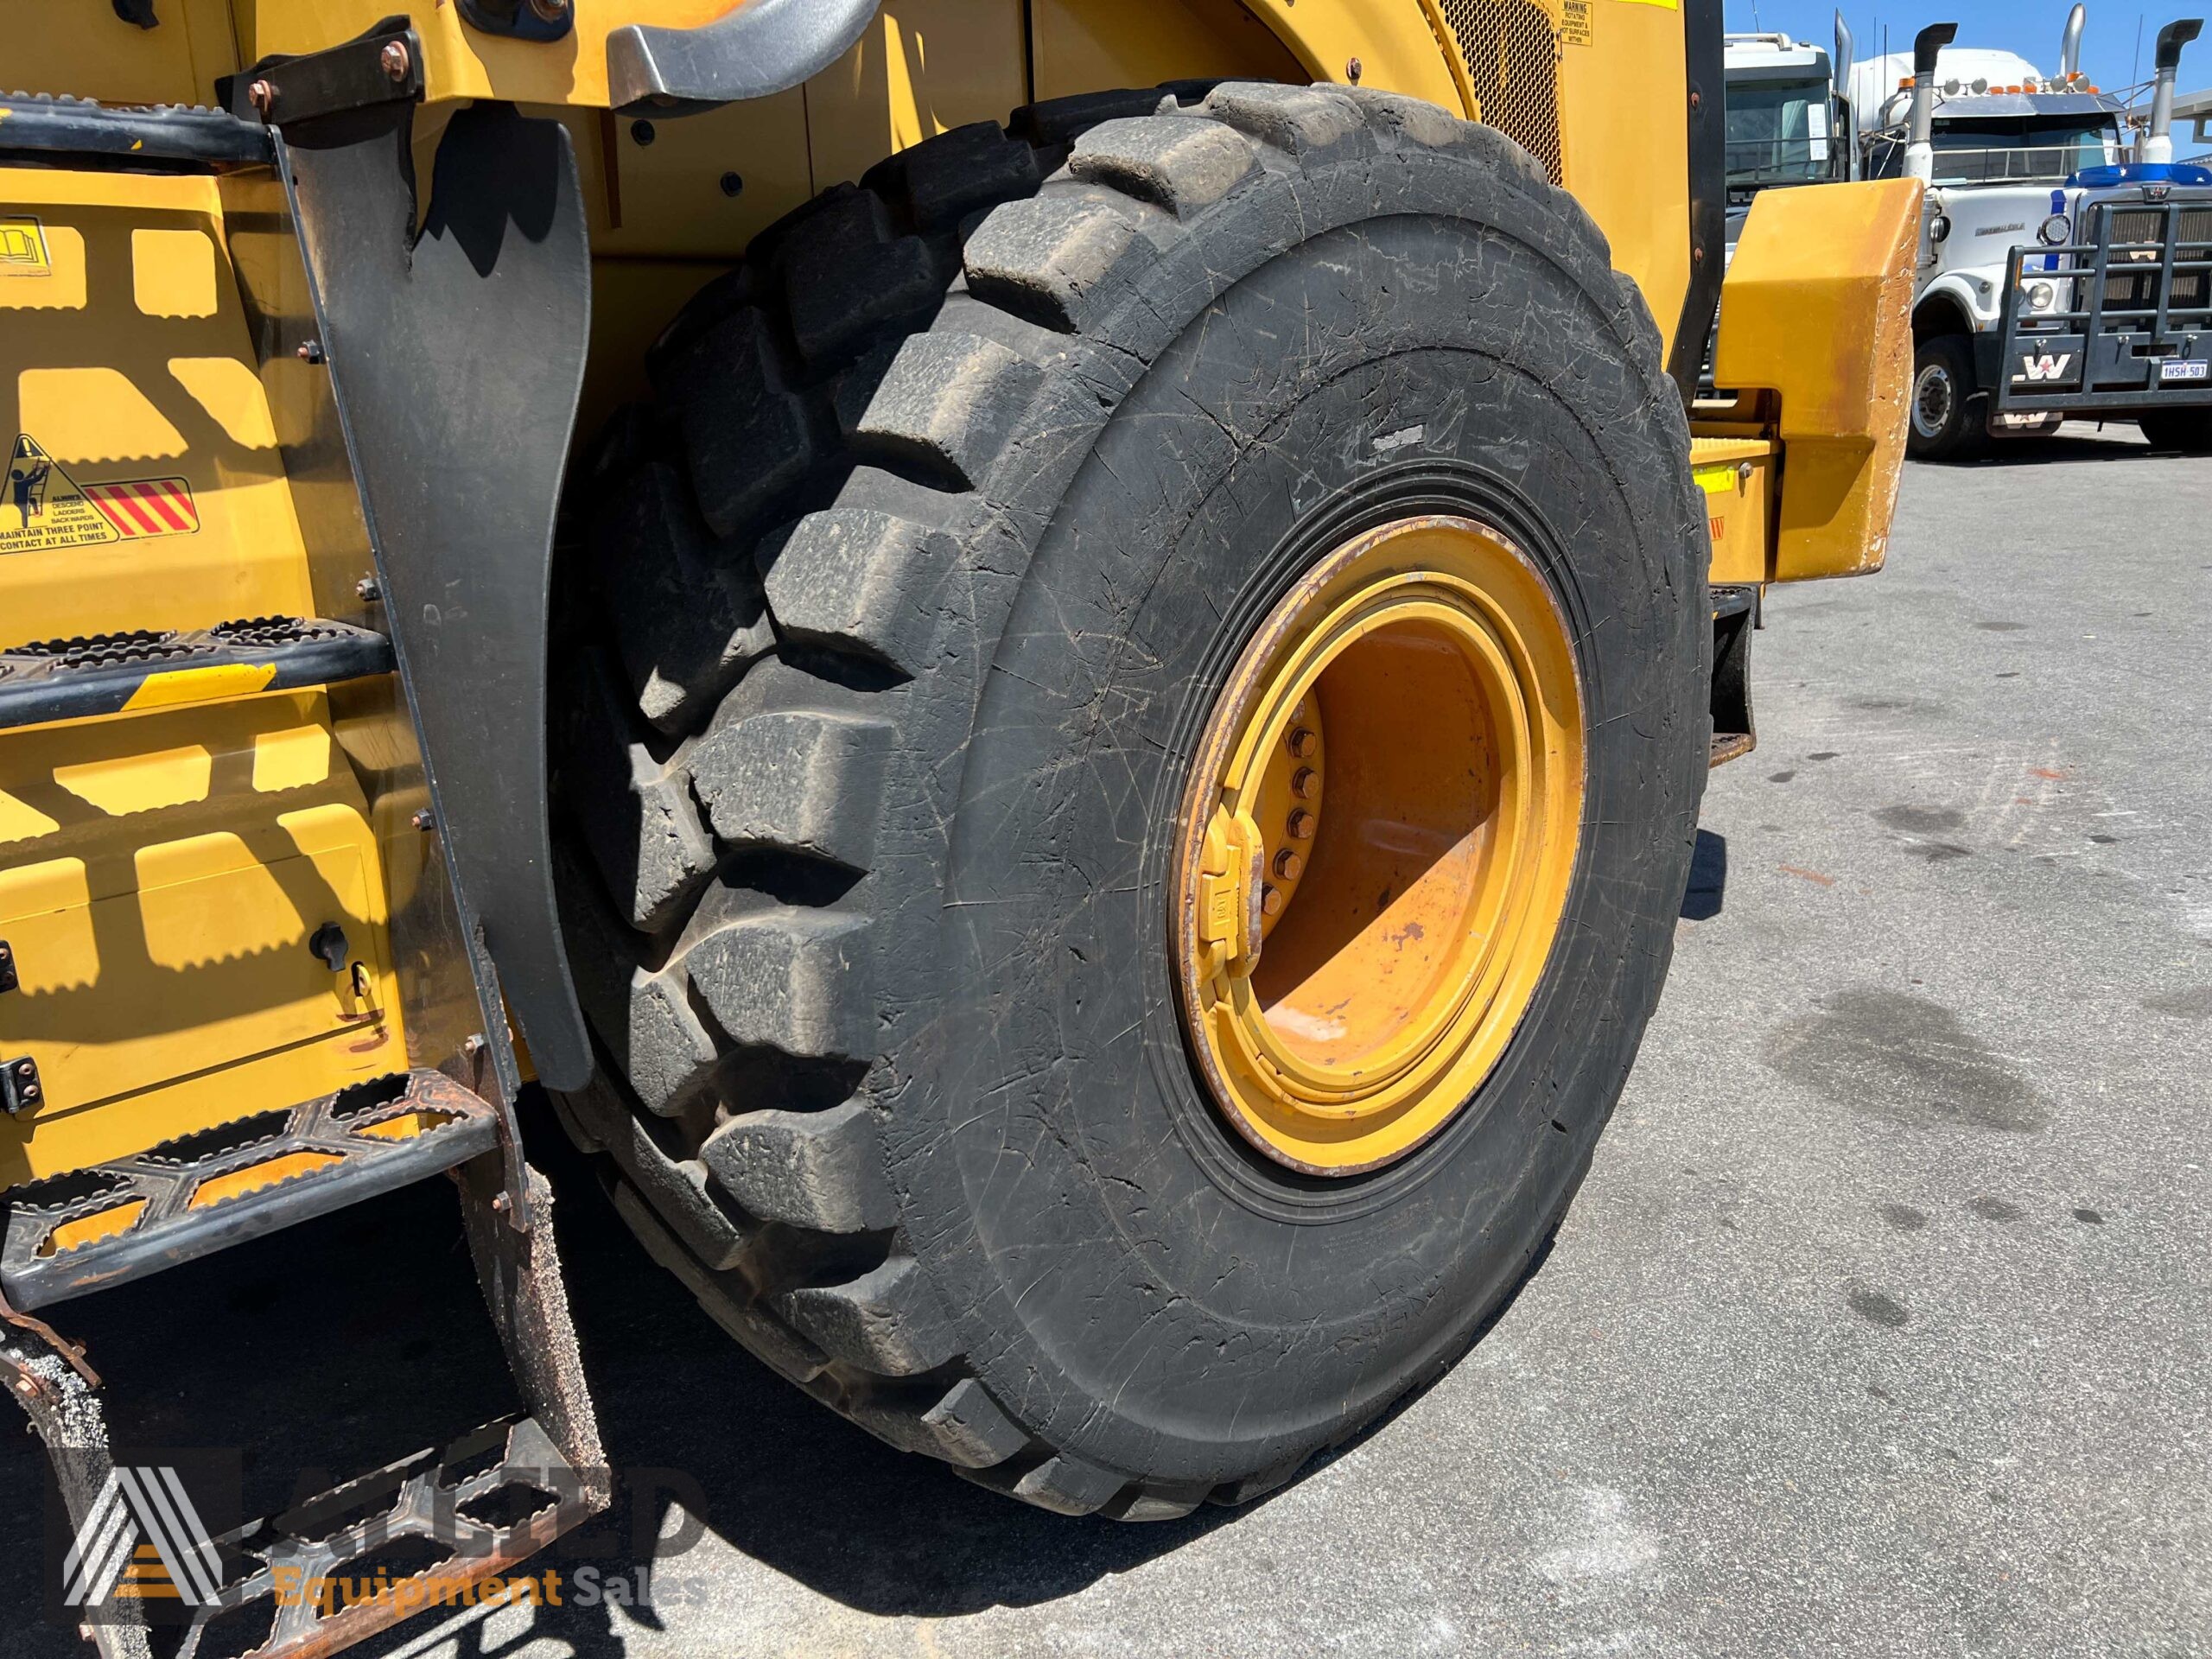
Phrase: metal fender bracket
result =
(455, 353)
(750, 51)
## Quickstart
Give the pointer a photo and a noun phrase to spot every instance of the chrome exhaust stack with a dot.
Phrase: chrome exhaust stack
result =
(2159, 141)
(1920, 151)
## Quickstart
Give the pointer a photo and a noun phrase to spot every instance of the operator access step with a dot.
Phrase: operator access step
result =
(110, 673)
(111, 1223)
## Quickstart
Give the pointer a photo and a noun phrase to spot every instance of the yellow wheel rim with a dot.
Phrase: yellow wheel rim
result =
(1377, 843)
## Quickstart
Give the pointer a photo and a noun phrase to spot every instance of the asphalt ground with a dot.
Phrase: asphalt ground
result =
(1879, 1328)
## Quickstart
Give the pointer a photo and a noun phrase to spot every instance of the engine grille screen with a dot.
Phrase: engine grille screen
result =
(1511, 51)
(2139, 290)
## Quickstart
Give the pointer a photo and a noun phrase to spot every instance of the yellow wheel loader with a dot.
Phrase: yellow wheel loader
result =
(1049, 661)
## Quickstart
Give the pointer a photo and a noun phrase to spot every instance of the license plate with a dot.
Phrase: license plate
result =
(2185, 368)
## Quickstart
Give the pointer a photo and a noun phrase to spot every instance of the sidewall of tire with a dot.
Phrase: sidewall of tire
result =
(1152, 1299)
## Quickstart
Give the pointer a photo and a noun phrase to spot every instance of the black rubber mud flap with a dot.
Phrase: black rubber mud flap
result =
(456, 357)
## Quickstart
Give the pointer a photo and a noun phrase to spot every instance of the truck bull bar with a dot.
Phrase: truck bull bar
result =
(2131, 325)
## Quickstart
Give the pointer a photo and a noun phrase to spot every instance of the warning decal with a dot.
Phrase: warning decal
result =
(1576, 25)
(147, 506)
(44, 509)
(22, 249)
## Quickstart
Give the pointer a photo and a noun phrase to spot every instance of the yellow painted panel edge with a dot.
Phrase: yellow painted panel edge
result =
(179, 685)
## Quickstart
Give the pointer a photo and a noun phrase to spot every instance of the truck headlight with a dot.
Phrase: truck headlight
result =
(2054, 229)
(2041, 296)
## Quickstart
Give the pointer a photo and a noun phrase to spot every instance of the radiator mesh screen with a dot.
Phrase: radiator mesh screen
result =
(1511, 51)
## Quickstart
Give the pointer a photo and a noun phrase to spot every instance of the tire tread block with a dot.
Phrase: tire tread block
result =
(686, 622)
(1180, 163)
(852, 578)
(887, 1321)
(789, 978)
(822, 1170)
(778, 769)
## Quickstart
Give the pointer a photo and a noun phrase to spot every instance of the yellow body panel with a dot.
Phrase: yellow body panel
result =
(922, 67)
(1736, 477)
(1076, 46)
(130, 361)
(161, 876)
(1816, 309)
(1625, 132)
(81, 47)
(457, 60)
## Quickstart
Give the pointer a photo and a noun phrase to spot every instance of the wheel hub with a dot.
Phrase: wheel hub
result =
(1931, 400)
(1377, 843)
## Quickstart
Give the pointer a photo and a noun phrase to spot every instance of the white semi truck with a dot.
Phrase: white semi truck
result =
(2060, 274)
(1781, 116)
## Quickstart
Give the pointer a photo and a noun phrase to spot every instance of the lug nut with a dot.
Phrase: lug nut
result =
(368, 589)
(394, 59)
(1270, 902)
(423, 820)
(1301, 824)
(1303, 743)
(1306, 783)
(1288, 865)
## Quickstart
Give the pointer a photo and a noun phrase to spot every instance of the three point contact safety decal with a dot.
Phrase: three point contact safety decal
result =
(43, 508)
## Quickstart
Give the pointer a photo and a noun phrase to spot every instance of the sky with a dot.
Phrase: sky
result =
(2031, 27)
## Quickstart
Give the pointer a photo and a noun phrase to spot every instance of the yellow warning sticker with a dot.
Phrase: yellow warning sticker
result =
(22, 248)
(1577, 22)
(1717, 478)
(43, 508)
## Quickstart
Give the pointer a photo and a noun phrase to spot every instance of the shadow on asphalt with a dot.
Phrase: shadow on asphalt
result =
(357, 1338)
(1707, 889)
(351, 1341)
(2044, 452)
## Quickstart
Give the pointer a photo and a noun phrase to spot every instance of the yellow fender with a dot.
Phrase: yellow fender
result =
(1817, 310)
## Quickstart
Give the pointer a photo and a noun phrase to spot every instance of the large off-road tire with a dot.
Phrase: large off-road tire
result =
(1947, 419)
(2188, 430)
(909, 600)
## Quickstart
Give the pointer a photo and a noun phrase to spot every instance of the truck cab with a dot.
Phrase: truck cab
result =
(2033, 189)
(1781, 125)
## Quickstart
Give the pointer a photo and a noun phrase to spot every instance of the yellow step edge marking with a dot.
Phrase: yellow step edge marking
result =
(176, 685)
(1719, 479)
